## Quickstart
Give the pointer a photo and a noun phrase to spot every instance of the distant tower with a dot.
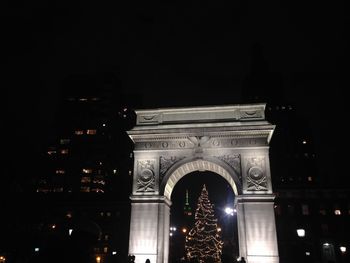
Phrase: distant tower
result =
(187, 208)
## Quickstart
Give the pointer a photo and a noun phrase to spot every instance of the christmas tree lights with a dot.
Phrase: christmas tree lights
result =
(203, 242)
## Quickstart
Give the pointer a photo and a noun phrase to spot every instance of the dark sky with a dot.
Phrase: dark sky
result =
(175, 53)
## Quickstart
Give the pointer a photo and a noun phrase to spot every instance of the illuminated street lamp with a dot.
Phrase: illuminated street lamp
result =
(342, 249)
(229, 211)
(301, 232)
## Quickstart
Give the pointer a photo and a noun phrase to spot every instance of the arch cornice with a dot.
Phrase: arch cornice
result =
(191, 164)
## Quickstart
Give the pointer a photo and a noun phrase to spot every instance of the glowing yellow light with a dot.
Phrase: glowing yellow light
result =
(219, 229)
(184, 230)
(98, 259)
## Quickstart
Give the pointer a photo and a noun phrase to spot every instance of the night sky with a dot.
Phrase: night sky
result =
(175, 53)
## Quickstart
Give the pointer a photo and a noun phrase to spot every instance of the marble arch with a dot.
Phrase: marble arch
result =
(232, 141)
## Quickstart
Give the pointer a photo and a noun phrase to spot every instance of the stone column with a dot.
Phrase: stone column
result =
(149, 229)
(257, 229)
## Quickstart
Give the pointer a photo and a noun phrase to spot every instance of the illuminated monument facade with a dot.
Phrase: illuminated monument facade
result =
(232, 141)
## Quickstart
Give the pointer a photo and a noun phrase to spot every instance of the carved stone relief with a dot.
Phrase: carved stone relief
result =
(234, 161)
(146, 176)
(256, 176)
(165, 163)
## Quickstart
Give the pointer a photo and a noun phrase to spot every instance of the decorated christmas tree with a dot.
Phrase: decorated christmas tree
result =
(203, 242)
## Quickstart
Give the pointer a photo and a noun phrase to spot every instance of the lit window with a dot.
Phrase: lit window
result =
(58, 189)
(337, 212)
(114, 253)
(64, 151)
(307, 253)
(85, 189)
(106, 237)
(105, 249)
(70, 231)
(309, 178)
(104, 124)
(108, 213)
(69, 215)
(60, 171)
(130, 172)
(36, 249)
(305, 209)
(99, 181)
(97, 190)
(101, 213)
(342, 249)
(51, 152)
(114, 171)
(64, 141)
(83, 99)
(95, 99)
(85, 180)
(304, 142)
(91, 132)
(87, 171)
(79, 132)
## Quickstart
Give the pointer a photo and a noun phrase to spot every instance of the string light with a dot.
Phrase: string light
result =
(203, 241)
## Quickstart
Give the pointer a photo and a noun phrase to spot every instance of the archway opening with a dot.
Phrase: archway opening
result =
(184, 199)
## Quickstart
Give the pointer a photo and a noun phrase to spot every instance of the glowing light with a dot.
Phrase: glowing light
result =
(229, 211)
(36, 249)
(53, 226)
(184, 230)
(205, 230)
(304, 142)
(98, 259)
(326, 244)
(342, 249)
(171, 234)
(104, 125)
(307, 253)
(114, 253)
(301, 232)
(337, 212)
(70, 231)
